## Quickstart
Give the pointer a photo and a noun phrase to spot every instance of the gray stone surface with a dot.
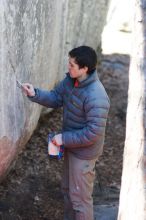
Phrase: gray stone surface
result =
(106, 212)
(35, 37)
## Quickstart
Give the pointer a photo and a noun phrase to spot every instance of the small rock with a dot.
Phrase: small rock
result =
(106, 212)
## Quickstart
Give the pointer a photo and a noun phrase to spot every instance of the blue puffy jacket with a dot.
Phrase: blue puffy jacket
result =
(85, 111)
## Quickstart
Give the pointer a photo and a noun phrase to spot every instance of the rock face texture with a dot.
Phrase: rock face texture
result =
(35, 37)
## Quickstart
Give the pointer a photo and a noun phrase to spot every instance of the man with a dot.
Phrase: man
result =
(85, 110)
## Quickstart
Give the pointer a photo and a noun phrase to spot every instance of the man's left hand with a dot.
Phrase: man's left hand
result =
(57, 140)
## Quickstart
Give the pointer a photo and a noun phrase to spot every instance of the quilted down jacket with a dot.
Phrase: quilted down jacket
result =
(85, 112)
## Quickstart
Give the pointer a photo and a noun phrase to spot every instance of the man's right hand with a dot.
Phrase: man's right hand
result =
(28, 89)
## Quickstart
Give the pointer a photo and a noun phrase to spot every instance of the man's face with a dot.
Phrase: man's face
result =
(74, 70)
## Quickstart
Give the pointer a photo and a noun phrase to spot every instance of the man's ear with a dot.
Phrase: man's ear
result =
(85, 69)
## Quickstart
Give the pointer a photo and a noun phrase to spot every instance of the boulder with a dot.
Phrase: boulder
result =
(35, 38)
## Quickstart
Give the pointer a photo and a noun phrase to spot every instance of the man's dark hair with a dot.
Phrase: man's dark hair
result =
(84, 56)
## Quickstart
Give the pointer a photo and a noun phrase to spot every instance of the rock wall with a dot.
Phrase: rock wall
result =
(35, 37)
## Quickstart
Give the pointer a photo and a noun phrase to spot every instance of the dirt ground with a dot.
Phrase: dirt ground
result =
(31, 191)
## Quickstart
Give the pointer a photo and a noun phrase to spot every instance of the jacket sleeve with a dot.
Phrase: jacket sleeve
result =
(96, 112)
(50, 99)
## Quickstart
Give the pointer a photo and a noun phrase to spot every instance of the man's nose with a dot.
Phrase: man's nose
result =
(69, 67)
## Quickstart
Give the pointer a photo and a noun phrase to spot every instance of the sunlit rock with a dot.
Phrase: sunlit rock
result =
(34, 41)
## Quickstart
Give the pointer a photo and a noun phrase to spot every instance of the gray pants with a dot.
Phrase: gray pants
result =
(77, 187)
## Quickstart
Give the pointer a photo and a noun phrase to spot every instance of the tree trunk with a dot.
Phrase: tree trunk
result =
(133, 190)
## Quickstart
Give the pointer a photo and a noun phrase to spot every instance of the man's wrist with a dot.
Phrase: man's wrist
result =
(33, 95)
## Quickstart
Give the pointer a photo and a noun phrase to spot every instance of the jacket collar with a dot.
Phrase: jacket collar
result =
(91, 78)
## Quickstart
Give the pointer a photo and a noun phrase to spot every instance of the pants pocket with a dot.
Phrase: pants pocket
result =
(89, 172)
